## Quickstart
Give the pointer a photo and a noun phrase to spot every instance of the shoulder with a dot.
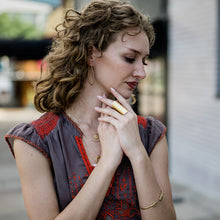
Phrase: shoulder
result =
(34, 133)
(150, 122)
(45, 124)
(151, 131)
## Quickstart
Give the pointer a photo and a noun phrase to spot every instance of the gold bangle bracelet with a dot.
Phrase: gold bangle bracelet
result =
(155, 203)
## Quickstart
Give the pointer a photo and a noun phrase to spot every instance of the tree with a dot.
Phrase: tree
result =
(13, 26)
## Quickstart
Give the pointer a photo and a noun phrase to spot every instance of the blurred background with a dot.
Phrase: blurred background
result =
(182, 89)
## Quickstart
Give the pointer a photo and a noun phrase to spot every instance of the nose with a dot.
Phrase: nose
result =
(139, 72)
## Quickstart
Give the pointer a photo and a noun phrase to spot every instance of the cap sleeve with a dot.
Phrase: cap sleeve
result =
(151, 131)
(27, 133)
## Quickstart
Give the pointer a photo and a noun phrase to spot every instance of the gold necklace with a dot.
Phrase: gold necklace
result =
(94, 139)
(98, 155)
(98, 158)
(78, 122)
(96, 136)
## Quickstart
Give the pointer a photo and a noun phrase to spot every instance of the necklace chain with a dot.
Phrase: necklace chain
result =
(78, 122)
(94, 139)
(98, 154)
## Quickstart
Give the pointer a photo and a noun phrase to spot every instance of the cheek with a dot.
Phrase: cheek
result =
(112, 69)
(119, 67)
(106, 67)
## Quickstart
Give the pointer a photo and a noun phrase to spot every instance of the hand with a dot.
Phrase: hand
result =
(110, 145)
(126, 125)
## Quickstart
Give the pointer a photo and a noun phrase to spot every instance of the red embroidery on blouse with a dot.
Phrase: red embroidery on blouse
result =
(110, 187)
(130, 181)
(118, 209)
(125, 209)
(83, 154)
(76, 182)
(106, 215)
(142, 120)
(117, 204)
(45, 124)
(28, 142)
(121, 200)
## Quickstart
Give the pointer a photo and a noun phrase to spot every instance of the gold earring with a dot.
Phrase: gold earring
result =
(133, 99)
(93, 76)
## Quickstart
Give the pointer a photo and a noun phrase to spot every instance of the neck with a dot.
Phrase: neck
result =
(82, 111)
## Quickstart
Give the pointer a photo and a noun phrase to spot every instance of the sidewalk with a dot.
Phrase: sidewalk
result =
(189, 205)
(192, 205)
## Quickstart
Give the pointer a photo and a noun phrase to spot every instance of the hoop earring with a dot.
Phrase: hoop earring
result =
(133, 99)
(93, 76)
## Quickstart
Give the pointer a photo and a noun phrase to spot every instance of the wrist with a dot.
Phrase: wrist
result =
(139, 155)
(108, 164)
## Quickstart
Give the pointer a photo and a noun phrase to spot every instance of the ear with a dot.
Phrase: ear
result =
(93, 55)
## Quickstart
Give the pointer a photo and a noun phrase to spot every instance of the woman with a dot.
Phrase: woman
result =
(90, 156)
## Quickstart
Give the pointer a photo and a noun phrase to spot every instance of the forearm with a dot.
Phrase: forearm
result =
(149, 190)
(87, 203)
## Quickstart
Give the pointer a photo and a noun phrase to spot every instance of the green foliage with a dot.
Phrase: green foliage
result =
(13, 26)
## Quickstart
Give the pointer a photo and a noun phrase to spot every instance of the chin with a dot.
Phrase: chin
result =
(126, 94)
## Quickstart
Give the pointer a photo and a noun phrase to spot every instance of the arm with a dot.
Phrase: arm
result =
(36, 181)
(153, 172)
(150, 173)
(39, 193)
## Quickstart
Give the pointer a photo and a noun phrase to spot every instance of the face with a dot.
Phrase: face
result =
(121, 65)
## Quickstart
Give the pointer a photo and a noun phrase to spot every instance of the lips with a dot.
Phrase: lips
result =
(132, 84)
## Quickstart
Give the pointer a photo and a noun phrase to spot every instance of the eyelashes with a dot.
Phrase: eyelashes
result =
(132, 60)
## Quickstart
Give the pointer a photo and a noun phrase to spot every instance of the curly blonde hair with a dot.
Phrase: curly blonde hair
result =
(67, 66)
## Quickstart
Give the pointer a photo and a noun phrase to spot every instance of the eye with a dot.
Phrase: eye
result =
(130, 60)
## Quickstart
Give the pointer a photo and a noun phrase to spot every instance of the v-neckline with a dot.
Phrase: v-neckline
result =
(81, 146)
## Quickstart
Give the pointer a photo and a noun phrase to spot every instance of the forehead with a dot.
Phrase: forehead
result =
(131, 40)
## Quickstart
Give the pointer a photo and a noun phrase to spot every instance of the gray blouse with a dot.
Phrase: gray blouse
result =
(59, 139)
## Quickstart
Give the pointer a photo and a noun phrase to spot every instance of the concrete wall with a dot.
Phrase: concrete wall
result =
(194, 110)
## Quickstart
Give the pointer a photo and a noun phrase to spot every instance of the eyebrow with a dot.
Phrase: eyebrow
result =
(137, 52)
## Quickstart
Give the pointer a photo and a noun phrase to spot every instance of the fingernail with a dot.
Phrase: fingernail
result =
(100, 97)
(104, 95)
(97, 108)
(113, 89)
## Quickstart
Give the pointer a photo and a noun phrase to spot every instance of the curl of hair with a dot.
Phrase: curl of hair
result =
(67, 61)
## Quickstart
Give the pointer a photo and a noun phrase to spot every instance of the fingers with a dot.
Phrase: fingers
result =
(116, 109)
(122, 106)
(107, 111)
(110, 120)
(107, 108)
(121, 99)
(103, 106)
